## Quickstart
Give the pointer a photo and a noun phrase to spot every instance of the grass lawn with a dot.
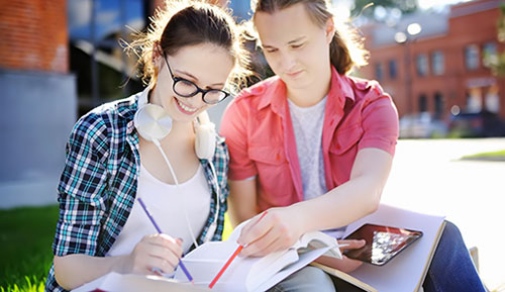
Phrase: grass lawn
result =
(26, 235)
(492, 155)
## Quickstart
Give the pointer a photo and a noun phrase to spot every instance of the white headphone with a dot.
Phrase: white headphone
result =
(153, 123)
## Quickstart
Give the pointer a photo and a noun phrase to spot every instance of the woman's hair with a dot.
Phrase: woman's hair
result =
(184, 23)
(347, 46)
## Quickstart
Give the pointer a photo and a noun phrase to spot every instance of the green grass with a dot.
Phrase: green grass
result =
(227, 227)
(26, 235)
(492, 155)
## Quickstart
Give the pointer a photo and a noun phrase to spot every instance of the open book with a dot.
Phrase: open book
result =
(254, 274)
(405, 272)
(243, 274)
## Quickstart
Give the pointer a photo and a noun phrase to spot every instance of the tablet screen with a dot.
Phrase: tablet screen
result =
(382, 243)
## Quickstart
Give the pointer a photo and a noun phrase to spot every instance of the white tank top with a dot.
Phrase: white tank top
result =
(168, 205)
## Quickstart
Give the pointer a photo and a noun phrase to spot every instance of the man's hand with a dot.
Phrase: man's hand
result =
(345, 264)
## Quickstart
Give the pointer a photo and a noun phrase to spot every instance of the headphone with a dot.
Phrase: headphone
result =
(154, 123)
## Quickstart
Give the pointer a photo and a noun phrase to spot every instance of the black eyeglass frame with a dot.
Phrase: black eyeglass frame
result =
(197, 88)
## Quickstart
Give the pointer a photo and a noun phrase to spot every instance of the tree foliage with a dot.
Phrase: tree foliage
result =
(496, 62)
(405, 6)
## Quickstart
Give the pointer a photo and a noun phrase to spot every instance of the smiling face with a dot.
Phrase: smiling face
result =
(206, 65)
(295, 47)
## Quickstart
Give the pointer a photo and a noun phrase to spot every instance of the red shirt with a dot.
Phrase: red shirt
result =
(259, 133)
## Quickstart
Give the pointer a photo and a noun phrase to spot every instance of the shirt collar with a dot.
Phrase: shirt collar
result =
(276, 89)
(341, 92)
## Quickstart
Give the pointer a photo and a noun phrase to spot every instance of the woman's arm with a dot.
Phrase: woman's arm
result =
(242, 200)
(74, 270)
(153, 252)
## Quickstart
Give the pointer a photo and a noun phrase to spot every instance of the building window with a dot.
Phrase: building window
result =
(393, 69)
(423, 103)
(422, 65)
(378, 71)
(490, 52)
(439, 105)
(438, 63)
(472, 57)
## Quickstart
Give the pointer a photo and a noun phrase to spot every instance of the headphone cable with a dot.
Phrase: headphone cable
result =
(157, 143)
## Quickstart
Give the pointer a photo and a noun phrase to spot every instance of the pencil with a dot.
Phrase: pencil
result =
(181, 264)
(228, 262)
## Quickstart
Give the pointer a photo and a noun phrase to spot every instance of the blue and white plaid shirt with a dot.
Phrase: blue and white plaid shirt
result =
(99, 182)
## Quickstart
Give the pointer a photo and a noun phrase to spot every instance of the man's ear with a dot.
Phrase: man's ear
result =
(330, 30)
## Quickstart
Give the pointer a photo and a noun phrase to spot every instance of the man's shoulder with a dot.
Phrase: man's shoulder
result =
(365, 85)
(260, 90)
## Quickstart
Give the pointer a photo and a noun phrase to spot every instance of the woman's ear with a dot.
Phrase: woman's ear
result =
(330, 30)
(157, 56)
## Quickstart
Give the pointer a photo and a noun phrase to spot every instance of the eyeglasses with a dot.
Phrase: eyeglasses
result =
(186, 88)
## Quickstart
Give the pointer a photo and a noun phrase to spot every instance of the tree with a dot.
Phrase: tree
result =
(403, 6)
(497, 63)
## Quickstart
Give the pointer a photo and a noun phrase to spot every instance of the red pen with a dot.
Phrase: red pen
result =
(228, 262)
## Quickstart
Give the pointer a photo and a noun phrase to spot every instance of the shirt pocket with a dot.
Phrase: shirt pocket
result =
(274, 176)
(346, 139)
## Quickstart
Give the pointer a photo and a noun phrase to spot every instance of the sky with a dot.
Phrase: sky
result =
(109, 17)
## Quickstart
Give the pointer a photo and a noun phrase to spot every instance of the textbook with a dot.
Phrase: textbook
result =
(243, 274)
(406, 271)
(254, 273)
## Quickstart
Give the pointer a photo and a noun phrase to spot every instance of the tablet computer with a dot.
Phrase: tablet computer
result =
(382, 243)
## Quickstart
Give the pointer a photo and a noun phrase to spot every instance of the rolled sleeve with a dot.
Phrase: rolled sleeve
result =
(380, 124)
(82, 205)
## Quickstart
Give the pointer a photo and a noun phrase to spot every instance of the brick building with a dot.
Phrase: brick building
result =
(38, 102)
(440, 69)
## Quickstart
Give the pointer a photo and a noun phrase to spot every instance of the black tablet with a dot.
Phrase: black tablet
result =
(382, 243)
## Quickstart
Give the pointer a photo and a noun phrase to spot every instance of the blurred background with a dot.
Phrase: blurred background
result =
(442, 61)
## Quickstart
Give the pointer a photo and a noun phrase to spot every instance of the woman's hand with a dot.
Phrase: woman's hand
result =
(273, 230)
(154, 254)
(345, 264)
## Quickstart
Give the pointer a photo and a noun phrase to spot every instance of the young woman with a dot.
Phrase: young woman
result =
(125, 150)
(315, 146)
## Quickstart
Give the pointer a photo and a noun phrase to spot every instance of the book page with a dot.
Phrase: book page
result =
(253, 274)
(317, 239)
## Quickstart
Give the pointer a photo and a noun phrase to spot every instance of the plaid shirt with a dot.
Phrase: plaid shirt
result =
(99, 182)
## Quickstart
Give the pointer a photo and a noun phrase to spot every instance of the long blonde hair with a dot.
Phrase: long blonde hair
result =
(347, 46)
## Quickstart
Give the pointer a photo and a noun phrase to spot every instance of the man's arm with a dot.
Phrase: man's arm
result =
(354, 199)
(242, 200)
(339, 207)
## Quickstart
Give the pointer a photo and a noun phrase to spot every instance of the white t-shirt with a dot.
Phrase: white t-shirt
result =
(174, 208)
(308, 128)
